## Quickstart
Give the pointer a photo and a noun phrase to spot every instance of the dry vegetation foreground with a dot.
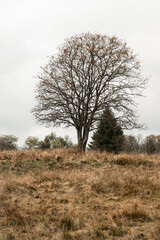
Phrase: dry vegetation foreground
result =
(61, 194)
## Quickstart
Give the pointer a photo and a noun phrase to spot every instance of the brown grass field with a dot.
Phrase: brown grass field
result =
(63, 195)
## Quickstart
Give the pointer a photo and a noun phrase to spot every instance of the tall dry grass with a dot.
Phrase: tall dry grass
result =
(62, 194)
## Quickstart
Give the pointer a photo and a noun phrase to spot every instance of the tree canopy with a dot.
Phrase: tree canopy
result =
(50, 141)
(89, 72)
(8, 142)
(32, 142)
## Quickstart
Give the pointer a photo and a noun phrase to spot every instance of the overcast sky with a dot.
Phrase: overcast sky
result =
(31, 30)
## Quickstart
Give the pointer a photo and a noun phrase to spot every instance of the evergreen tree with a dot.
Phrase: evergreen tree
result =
(109, 135)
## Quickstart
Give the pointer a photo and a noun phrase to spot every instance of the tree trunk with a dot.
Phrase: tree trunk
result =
(82, 135)
(85, 138)
(79, 138)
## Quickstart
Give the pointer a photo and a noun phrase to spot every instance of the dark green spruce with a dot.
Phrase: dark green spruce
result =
(109, 135)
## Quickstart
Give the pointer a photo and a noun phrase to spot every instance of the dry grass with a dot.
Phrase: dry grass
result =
(62, 194)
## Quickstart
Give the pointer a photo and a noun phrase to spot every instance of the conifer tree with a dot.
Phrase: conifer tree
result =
(109, 134)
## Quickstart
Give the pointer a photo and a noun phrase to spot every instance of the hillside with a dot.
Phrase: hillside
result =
(63, 195)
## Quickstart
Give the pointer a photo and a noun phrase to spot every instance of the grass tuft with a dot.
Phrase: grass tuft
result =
(67, 223)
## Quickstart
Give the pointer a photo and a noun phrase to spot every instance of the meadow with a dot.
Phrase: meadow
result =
(64, 195)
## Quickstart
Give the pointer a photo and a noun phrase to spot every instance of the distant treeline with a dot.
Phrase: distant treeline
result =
(150, 145)
(131, 144)
(51, 141)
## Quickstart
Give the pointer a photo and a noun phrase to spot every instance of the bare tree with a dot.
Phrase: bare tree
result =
(90, 72)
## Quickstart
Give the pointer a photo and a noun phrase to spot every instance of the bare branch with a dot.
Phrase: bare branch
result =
(91, 71)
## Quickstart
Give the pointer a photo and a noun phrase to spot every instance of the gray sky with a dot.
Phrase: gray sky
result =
(31, 30)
